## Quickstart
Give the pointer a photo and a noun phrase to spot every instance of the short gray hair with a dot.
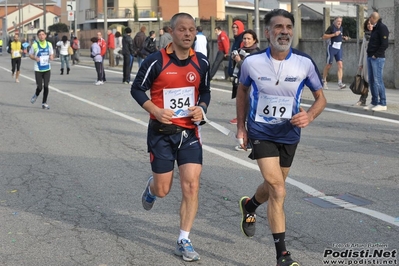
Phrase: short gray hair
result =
(177, 16)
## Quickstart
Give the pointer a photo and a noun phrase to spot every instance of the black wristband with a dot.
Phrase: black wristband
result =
(203, 108)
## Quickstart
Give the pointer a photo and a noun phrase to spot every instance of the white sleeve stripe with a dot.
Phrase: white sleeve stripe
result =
(148, 71)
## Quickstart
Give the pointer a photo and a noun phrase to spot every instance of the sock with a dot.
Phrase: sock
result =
(149, 192)
(183, 235)
(279, 242)
(339, 81)
(252, 204)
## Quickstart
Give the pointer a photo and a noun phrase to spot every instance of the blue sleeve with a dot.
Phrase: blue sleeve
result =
(204, 87)
(148, 72)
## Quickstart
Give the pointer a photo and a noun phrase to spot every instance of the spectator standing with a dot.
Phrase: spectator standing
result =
(165, 38)
(76, 48)
(16, 54)
(25, 47)
(149, 46)
(201, 42)
(63, 45)
(171, 73)
(363, 69)
(118, 47)
(334, 36)
(111, 48)
(274, 136)
(103, 46)
(138, 43)
(42, 53)
(95, 53)
(128, 55)
(378, 43)
(238, 32)
(250, 45)
(223, 51)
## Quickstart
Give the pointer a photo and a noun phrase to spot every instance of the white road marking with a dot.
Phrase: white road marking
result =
(305, 188)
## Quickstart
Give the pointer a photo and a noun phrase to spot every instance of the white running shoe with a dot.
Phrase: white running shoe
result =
(379, 108)
(325, 87)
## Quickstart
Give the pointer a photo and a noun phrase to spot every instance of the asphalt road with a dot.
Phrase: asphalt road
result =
(71, 180)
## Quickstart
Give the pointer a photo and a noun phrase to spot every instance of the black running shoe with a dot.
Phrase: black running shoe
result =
(248, 219)
(286, 260)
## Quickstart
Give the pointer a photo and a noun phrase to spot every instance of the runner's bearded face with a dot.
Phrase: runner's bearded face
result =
(338, 23)
(280, 33)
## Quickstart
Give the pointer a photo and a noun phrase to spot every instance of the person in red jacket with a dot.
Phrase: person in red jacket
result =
(111, 48)
(223, 50)
(103, 46)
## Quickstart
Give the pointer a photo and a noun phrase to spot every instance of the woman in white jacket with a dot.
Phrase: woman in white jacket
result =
(64, 45)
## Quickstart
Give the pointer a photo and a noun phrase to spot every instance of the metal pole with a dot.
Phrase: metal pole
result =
(19, 19)
(294, 11)
(4, 32)
(76, 18)
(358, 22)
(44, 16)
(22, 19)
(105, 20)
(257, 30)
(70, 22)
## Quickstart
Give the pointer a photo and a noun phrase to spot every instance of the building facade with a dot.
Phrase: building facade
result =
(27, 18)
(90, 13)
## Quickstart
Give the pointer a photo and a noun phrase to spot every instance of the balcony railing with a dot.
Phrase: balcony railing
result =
(124, 12)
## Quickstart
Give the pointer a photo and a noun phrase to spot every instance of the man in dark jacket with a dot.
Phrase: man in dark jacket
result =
(149, 46)
(378, 43)
(238, 32)
(238, 29)
(128, 55)
(138, 43)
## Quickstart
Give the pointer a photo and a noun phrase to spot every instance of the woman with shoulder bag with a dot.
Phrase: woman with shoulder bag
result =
(250, 45)
(363, 60)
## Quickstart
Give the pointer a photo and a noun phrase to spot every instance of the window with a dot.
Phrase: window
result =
(36, 24)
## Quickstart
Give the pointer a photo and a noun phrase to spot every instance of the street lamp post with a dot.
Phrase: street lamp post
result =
(4, 31)
(44, 16)
(257, 18)
(105, 19)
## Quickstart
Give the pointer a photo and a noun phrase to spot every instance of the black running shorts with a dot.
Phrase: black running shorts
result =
(263, 149)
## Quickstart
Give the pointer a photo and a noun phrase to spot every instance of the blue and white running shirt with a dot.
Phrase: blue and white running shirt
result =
(276, 90)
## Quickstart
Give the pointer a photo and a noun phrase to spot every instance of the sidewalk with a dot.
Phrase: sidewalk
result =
(336, 98)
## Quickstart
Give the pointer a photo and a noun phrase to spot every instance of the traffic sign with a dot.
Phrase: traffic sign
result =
(71, 15)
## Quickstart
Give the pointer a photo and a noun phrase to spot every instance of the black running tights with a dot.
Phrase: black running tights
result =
(15, 63)
(42, 78)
